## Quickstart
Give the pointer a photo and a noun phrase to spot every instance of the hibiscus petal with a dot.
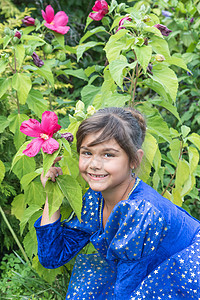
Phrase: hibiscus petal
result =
(62, 29)
(49, 14)
(97, 16)
(34, 147)
(60, 19)
(31, 127)
(49, 123)
(50, 146)
(97, 6)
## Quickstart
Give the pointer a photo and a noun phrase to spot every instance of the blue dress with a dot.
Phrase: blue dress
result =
(149, 249)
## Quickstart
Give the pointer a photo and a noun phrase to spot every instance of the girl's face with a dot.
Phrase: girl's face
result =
(106, 166)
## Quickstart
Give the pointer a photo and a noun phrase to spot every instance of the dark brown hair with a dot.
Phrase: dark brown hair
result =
(126, 125)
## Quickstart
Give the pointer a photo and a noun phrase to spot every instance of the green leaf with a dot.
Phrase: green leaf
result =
(176, 197)
(84, 47)
(116, 68)
(88, 94)
(6, 40)
(195, 139)
(30, 244)
(167, 78)
(22, 84)
(15, 123)
(72, 191)
(32, 38)
(55, 196)
(36, 102)
(185, 130)
(116, 99)
(167, 105)
(193, 159)
(3, 65)
(2, 171)
(143, 55)
(18, 206)
(80, 73)
(160, 46)
(179, 62)
(158, 88)
(60, 39)
(175, 150)
(182, 173)
(19, 154)
(20, 53)
(66, 145)
(5, 84)
(4, 122)
(24, 166)
(188, 185)
(28, 213)
(156, 125)
(48, 159)
(46, 72)
(26, 179)
(91, 32)
(31, 192)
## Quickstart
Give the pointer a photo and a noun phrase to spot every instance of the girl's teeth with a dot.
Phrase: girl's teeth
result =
(101, 176)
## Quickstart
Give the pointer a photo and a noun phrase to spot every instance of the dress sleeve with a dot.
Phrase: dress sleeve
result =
(57, 243)
(134, 237)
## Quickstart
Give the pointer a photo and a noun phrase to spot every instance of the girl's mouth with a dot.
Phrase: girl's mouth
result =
(97, 176)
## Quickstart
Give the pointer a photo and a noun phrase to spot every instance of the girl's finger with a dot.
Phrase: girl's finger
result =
(58, 158)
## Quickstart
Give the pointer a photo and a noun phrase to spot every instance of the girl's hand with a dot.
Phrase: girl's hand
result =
(52, 173)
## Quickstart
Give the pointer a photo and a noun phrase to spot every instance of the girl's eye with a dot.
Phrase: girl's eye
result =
(108, 155)
(87, 153)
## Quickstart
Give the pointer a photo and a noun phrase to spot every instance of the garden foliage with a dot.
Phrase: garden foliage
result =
(138, 53)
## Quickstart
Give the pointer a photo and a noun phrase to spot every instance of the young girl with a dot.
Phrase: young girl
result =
(148, 248)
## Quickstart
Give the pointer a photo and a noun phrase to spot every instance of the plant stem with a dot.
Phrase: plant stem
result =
(14, 236)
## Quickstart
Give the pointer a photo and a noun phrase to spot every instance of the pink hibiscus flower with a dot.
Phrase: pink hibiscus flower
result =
(102, 9)
(43, 133)
(56, 23)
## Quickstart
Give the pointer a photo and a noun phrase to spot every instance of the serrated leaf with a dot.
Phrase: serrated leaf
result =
(115, 99)
(5, 85)
(60, 39)
(167, 105)
(34, 193)
(84, 47)
(143, 55)
(18, 206)
(156, 125)
(26, 179)
(19, 154)
(195, 139)
(160, 46)
(24, 166)
(30, 244)
(72, 191)
(116, 68)
(88, 94)
(28, 213)
(22, 84)
(46, 72)
(15, 123)
(20, 53)
(55, 196)
(80, 73)
(36, 102)
(91, 32)
(175, 150)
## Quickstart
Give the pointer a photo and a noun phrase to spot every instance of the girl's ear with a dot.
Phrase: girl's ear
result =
(140, 153)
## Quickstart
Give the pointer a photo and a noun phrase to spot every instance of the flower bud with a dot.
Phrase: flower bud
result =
(18, 34)
(159, 57)
(68, 136)
(28, 21)
(61, 56)
(91, 110)
(163, 29)
(37, 61)
(47, 48)
(15, 40)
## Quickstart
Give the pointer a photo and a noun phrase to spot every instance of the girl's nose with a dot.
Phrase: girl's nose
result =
(95, 163)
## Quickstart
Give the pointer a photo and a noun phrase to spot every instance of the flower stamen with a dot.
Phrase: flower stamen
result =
(44, 136)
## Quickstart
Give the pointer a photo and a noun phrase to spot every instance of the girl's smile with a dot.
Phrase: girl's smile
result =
(105, 166)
